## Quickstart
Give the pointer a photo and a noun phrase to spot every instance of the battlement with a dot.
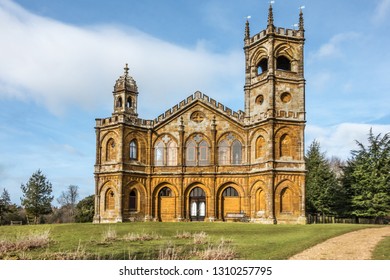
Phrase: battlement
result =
(239, 116)
(279, 31)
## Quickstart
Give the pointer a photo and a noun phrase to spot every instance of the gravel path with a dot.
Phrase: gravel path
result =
(357, 245)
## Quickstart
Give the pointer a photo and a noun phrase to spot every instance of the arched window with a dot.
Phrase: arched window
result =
(129, 102)
(262, 66)
(197, 151)
(159, 154)
(109, 200)
(133, 149)
(191, 153)
(203, 153)
(172, 153)
(283, 63)
(224, 153)
(286, 201)
(261, 201)
(133, 201)
(118, 102)
(230, 191)
(197, 193)
(230, 153)
(165, 192)
(110, 150)
(285, 146)
(260, 147)
(236, 152)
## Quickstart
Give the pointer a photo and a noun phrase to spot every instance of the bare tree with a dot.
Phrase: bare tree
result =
(68, 200)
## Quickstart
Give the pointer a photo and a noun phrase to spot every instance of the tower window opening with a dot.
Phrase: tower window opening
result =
(128, 103)
(262, 66)
(119, 102)
(283, 63)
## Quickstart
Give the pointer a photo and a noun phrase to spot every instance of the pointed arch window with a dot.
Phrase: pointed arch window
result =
(197, 153)
(197, 193)
(109, 200)
(230, 191)
(283, 63)
(129, 102)
(133, 150)
(224, 153)
(133, 201)
(165, 154)
(191, 153)
(165, 192)
(110, 150)
(118, 102)
(203, 153)
(262, 66)
(260, 147)
(159, 154)
(286, 201)
(230, 152)
(285, 146)
(172, 153)
(236, 152)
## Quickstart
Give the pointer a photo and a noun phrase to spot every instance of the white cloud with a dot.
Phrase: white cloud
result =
(340, 139)
(61, 65)
(333, 48)
(381, 12)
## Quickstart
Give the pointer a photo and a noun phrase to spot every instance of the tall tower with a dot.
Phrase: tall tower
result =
(274, 77)
(126, 95)
(275, 112)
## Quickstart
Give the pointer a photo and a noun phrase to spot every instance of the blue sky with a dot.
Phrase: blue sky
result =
(59, 61)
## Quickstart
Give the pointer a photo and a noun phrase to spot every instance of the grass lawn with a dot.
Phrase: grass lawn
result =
(382, 250)
(144, 241)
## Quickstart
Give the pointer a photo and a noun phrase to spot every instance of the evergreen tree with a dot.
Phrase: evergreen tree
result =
(369, 177)
(85, 209)
(37, 195)
(5, 204)
(322, 186)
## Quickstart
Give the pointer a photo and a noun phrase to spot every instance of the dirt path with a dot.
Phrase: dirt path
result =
(357, 245)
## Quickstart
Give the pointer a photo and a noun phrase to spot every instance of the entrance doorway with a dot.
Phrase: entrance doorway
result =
(197, 204)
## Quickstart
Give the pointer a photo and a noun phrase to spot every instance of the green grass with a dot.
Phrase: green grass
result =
(248, 241)
(382, 250)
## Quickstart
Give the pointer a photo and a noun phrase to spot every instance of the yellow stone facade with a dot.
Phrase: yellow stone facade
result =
(201, 161)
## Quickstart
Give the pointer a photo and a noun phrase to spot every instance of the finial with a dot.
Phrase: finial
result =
(126, 70)
(301, 24)
(247, 30)
(270, 14)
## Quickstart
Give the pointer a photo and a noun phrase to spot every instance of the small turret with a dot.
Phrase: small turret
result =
(125, 94)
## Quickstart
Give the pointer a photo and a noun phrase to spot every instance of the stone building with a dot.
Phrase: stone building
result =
(201, 161)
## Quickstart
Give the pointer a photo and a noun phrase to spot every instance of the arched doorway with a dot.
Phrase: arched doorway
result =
(230, 202)
(166, 205)
(197, 204)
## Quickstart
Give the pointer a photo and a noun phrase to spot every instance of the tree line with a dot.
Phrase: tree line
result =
(36, 204)
(356, 188)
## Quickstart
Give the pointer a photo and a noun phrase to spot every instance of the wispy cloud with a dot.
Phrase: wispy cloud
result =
(340, 140)
(382, 12)
(333, 48)
(61, 65)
